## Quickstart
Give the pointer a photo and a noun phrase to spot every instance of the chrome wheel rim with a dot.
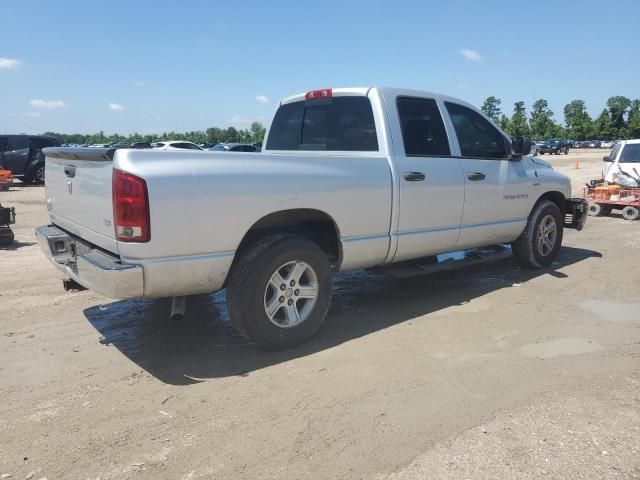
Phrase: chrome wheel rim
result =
(547, 234)
(291, 294)
(40, 174)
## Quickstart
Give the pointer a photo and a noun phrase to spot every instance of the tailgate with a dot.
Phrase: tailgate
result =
(78, 185)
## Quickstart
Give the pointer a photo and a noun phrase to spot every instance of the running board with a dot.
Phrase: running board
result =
(444, 262)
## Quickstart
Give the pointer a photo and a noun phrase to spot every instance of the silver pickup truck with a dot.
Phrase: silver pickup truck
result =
(349, 178)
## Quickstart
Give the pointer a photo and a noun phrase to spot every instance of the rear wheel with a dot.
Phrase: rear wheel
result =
(279, 291)
(630, 213)
(540, 242)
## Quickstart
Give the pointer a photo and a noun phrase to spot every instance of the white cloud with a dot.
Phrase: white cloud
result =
(40, 103)
(470, 54)
(138, 83)
(9, 63)
(31, 114)
(262, 99)
(115, 107)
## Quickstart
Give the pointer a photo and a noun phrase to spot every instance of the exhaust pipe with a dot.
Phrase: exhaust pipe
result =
(178, 306)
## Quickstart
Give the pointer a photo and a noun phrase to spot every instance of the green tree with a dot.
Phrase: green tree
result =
(491, 108)
(633, 125)
(518, 126)
(604, 130)
(541, 124)
(579, 123)
(504, 123)
(618, 106)
(257, 132)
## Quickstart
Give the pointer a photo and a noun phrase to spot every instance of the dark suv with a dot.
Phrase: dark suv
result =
(555, 145)
(22, 154)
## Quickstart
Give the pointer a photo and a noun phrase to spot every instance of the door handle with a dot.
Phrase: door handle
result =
(70, 171)
(476, 176)
(414, 176)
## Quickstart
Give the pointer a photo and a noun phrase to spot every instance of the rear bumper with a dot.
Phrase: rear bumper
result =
(575, 213)
(89, 266)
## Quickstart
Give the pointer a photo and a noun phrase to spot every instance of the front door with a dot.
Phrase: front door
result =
(497, 187)
(431, 187)
(16, 156)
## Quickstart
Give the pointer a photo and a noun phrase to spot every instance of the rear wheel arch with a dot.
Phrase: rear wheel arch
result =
(314, 225)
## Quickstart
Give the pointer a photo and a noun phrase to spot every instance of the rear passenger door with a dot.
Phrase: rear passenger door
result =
(498, 190)
(430, 179)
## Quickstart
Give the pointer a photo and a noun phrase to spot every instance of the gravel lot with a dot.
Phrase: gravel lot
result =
(486, 372)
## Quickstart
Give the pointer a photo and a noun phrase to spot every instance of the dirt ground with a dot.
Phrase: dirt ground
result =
(487, 372)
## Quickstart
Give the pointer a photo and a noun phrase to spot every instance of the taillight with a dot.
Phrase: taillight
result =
(130, 208)
(317, 94)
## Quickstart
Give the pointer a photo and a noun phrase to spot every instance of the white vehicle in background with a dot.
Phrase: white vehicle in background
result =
(175, 145)
(349, 178)
(606, 144)
(622, 161)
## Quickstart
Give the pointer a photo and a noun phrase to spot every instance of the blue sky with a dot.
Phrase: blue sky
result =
(151, 66)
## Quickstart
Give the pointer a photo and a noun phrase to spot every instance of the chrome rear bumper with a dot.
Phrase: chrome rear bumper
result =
(89, 266)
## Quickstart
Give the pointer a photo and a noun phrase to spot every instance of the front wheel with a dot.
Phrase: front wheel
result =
(540, 242)
(279, 291)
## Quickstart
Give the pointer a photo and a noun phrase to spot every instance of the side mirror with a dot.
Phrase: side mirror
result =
(607, 159)
(521, 146)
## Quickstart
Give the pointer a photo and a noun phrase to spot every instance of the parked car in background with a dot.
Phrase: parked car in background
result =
(140, 145)
(624, 160)
(535, 148)
(22, 154)
(350, 178)
(235, 147)
(594, 144)
(606, 144)
(175, 145)
(555, 146)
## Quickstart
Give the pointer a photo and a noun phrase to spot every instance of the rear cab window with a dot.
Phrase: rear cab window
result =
(342, 123)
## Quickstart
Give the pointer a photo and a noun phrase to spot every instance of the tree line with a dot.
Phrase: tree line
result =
(211, 136)
(619, 120)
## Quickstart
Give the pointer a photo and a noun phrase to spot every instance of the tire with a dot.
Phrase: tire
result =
(630, 213)
(566, 151)
(530, 249)
(594, 209)
(38, 175)
(251, 288)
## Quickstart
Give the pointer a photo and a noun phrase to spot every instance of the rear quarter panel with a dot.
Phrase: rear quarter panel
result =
(203, 203)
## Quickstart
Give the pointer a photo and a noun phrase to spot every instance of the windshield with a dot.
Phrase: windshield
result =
(630, 154)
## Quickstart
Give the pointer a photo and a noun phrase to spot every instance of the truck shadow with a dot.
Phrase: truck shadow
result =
(205, 345)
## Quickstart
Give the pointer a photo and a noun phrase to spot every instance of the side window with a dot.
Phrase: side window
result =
(423, 132)
(332, 124)
(3, 144)
(476, 136)
(237, 148)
